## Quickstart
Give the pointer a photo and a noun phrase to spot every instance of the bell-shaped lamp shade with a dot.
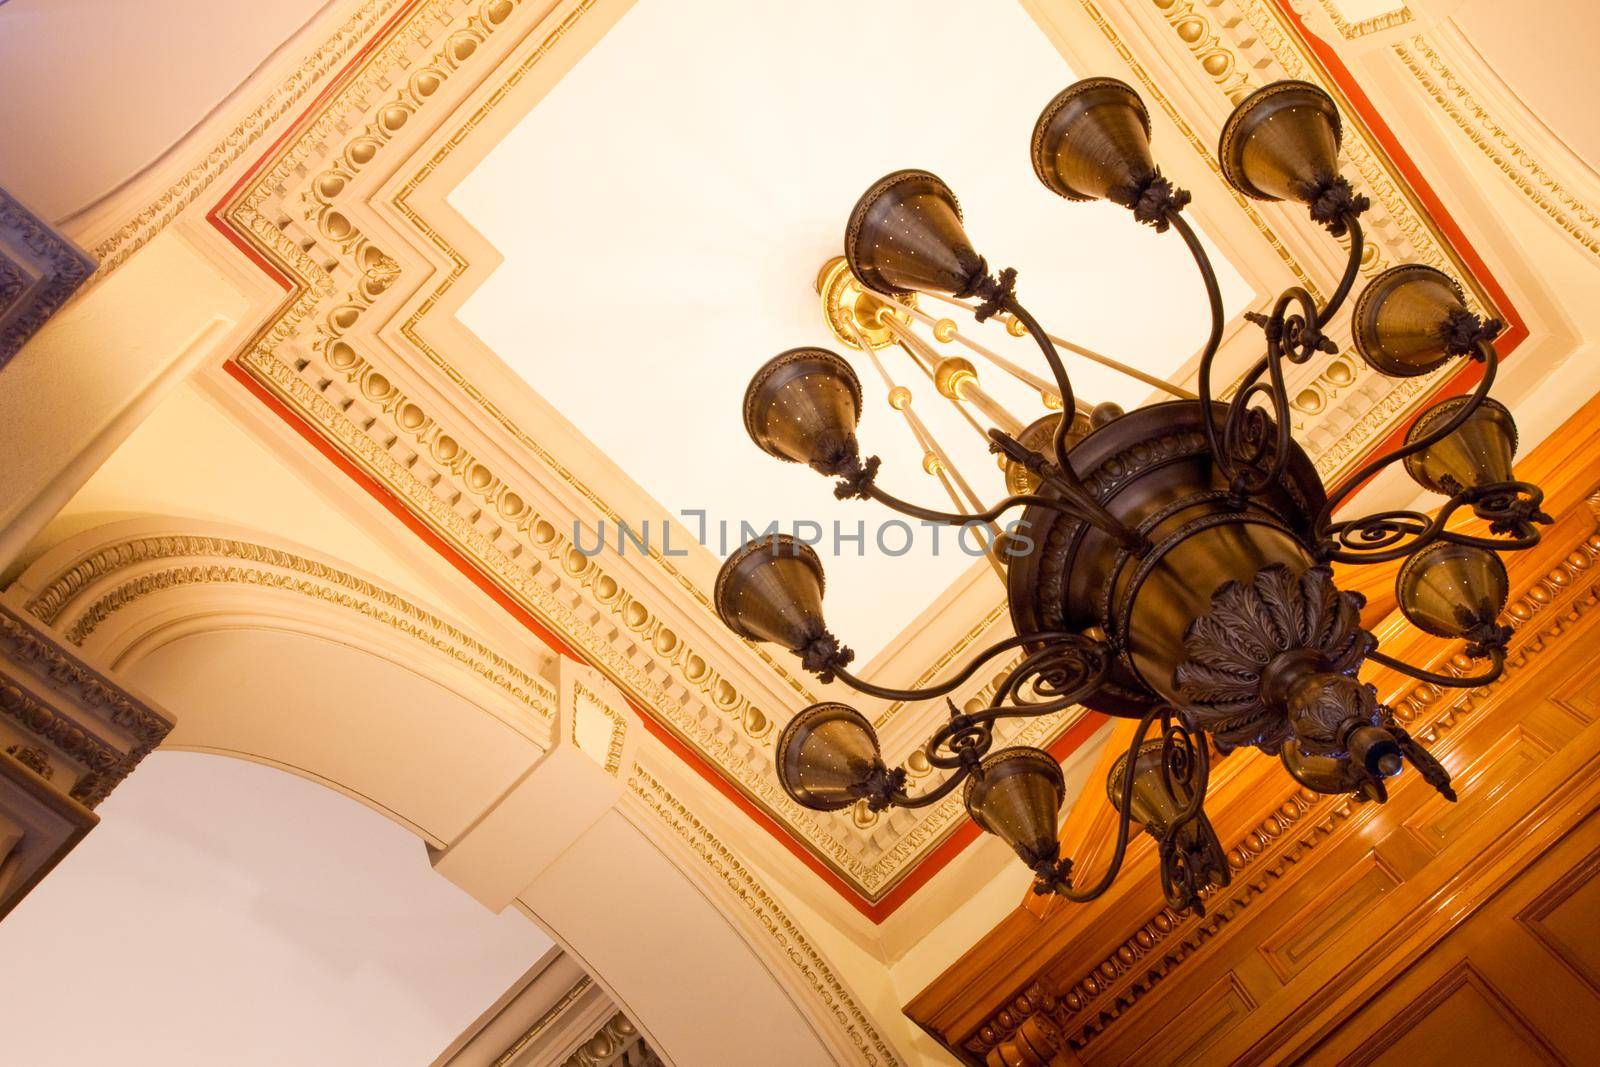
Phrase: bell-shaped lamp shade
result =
(802, 406)
(1448, 589)
(1017, 796)
(1093, 140)
(828, 756)
(1281, 142)
(1478, 452)
(771, 590)
(905, 236)
(1156, 808)
(1153, 805)
(1401, 317)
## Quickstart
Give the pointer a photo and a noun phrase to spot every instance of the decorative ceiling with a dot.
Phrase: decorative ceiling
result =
(663, 223)
(642, 296)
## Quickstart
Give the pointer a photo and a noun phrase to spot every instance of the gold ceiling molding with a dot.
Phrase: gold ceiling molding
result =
(1303, 821)
(606, 1046)
(1531, 178)
(544, 1022)
(619, 725)
(220, 560)
(768, 914)
(503, 532)
(309, 211)
(1350, 31)
(136, 232)
(1236, 46)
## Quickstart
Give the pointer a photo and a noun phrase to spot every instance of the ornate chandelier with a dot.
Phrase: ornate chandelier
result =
(1176, 569)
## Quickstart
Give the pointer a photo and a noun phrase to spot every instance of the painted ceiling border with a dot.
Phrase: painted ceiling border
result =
(497, 592)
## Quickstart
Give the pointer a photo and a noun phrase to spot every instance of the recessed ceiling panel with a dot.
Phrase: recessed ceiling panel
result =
(664, 211)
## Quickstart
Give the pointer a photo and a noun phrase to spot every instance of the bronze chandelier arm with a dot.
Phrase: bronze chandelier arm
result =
(968, 735)
(1058, 369)
(899, 799)
(1491, 362)
(1208, 354)
(1244, 435)
(1196, 743)
(1295, 337)
(1497, 666)
(1078, 505)
(1080, 896)
(953, 683)
(1389, 535)
(1064, 477)
(1351, 268)
(954, 518)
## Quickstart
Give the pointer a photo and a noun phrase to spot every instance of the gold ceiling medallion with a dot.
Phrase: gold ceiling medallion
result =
(851, 310)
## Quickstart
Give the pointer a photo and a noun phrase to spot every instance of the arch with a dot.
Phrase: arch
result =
(274, 653)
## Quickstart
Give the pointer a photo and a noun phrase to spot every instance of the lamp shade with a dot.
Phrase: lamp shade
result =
(1017, 796)
(771, 590)
(905, 236)
(802, 406)
(1400, 320)
(1197, 859)
(1448, 589)
(1478, 452)
(1153, 805)
(1281, 142)
(827, 756)
(1093, 140)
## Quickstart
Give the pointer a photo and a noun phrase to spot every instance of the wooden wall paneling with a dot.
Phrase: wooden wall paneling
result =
(1502, 987)
(1332, 900)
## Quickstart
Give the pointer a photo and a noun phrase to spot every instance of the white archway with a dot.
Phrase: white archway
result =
(270, 652)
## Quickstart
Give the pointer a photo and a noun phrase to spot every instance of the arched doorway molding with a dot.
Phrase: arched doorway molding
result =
(524, 788)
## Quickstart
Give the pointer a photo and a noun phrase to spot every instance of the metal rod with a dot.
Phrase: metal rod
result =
(1026, 377)
(965, 414)
(930, 443)
(968, 389)
(1133, 372)
(1096, 357)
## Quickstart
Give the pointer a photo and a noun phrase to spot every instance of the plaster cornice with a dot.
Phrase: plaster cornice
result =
(336, 213)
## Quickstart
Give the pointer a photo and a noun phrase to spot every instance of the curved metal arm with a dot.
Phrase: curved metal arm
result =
(1080, 896)
(1208, 354)
(954, 518)
(1236, 456)
(1352, 267)
(934, 795)
(1491, 362)
(1244, 437)
(953, 683)
(1065, 478)
(1497, 667)
(1073, 668)
(1390, 535)
(1058, 370)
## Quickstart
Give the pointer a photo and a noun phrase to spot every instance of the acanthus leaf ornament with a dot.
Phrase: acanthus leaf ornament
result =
(1279, 624)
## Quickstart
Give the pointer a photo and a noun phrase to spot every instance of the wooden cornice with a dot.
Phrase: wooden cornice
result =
(1126, 938)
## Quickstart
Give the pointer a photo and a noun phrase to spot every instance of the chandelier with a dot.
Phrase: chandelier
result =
(1176, 568)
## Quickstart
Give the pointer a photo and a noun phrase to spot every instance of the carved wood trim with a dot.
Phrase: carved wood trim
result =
(1086, 978)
